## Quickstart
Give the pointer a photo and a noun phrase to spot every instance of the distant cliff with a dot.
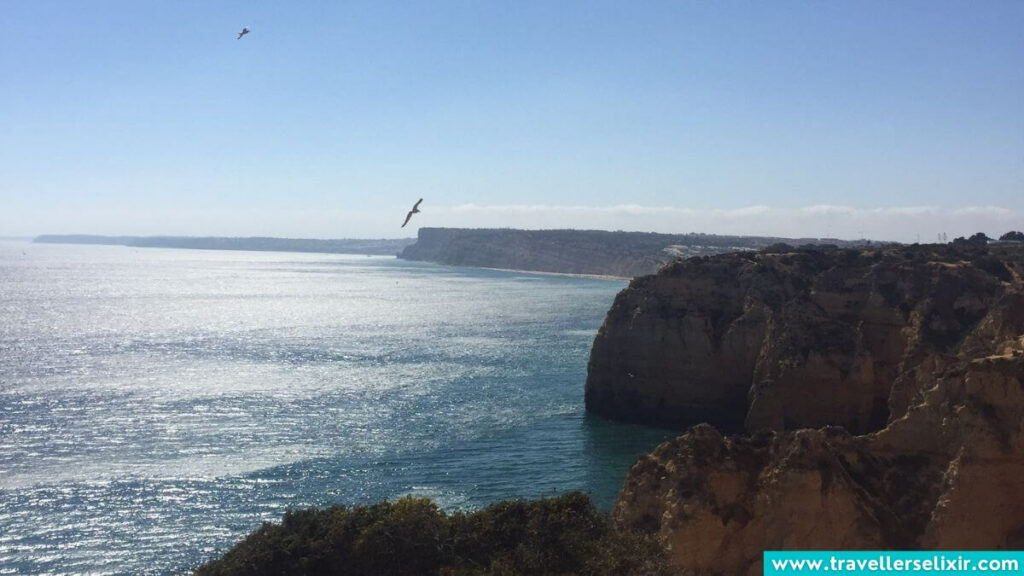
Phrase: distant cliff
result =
(624, 254)
(383, 247)
(918, 349)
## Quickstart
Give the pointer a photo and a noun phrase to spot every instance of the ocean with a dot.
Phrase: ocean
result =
(157, 405)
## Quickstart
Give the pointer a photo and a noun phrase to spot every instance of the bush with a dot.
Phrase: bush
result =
(564, 535)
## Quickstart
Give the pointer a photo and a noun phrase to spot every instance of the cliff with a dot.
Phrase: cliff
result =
(800, 339)
(624, 254)
(875, 400)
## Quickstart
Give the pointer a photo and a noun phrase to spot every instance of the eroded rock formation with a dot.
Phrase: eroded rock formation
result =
(919, 350)
(798, 339)
(948, 475)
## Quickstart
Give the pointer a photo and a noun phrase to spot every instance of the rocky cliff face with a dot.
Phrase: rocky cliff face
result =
(948, 475)
(800, 339)
(919, 350)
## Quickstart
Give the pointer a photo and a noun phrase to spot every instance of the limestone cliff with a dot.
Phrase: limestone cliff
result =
(948, 475)
(800, 339)
(920, 350)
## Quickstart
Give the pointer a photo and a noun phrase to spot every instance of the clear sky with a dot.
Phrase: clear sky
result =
(887, 119)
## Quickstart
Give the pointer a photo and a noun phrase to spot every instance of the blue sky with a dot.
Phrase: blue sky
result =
(891, 119)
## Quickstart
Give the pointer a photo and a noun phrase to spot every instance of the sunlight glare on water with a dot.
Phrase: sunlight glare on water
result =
(158, 405)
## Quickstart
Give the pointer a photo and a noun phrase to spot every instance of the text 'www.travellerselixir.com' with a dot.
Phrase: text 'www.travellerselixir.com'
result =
(873, 562)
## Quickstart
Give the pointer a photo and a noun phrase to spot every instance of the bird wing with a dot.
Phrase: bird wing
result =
(407, 218)
(417, 205)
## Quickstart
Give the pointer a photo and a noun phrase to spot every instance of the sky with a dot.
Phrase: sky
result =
(890, 120)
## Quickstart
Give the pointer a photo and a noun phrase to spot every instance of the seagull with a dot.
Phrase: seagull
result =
(415, 210)
(242, 33)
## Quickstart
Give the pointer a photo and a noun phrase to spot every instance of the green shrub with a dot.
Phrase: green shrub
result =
(564, 535)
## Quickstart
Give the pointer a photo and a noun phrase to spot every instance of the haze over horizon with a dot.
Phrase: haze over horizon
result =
(884, 120)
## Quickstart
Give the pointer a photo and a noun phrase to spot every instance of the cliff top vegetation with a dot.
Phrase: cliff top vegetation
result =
(411, 536)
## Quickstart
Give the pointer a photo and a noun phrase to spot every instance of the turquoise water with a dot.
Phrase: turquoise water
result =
(157, 405)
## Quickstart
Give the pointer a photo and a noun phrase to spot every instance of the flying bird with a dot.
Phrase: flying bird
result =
(242, 33)
(415, 210)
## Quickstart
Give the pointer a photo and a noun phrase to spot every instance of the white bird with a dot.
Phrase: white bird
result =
(415, 210)
(242, 33)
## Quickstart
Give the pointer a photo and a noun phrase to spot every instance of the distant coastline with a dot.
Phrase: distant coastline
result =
(588, 253)
(375, 247)
(582, 252)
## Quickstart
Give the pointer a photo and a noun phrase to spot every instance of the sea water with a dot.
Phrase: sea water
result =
(158, 405)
